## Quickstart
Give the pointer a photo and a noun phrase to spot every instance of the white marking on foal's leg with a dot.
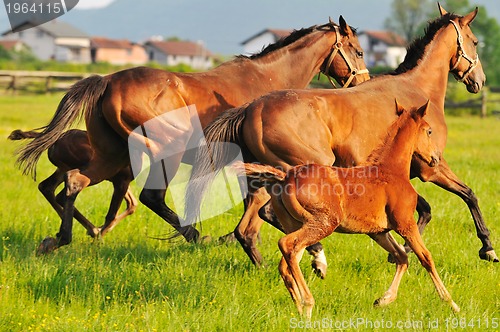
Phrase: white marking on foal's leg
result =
(319, 263)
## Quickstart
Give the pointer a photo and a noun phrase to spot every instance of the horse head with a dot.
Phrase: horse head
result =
(465, 64)
(345, 62)
(425, 147)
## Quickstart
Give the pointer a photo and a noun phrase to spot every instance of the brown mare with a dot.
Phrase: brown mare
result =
(116, 104)
(341, 127)
(313, 201)
(72, 150)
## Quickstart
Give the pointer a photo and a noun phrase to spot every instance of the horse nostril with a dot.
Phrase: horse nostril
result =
(434, 161)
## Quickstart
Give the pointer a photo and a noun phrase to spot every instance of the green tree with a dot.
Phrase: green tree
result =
(407, 17)
(4, 54)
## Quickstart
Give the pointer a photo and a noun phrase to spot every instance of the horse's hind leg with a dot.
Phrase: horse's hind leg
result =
(290, 284)
(153, 196)
(292, 247)
(386, 241)
(121, 192)
(248, 228)
(319, 263)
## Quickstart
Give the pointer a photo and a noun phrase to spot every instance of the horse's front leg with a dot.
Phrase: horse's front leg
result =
(444, 177)
(424, 216)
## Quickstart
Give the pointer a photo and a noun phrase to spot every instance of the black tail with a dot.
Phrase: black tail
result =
(18, 135)
(212, 157)
(80, 100)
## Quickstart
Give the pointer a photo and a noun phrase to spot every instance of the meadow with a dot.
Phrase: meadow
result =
(129, 281)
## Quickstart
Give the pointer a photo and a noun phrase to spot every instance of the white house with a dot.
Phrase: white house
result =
(172, 53)
(257, 42)
(382, 48)
(54, 40)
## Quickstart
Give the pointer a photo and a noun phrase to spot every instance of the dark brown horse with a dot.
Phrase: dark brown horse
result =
(117, 108)
(341, 127)
(313, 201)
(73, 151)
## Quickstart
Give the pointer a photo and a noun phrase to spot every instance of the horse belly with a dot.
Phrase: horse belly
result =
(364, 208)
(366, 224)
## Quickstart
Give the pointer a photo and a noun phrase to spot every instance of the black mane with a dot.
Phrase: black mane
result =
(291, 38)
(415, 51)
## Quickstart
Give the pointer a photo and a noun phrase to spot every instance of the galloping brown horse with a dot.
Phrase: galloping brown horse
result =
(341, 127)
(117, 105)
(313, 201)
(71, 151)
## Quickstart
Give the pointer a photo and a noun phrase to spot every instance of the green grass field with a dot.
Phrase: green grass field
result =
(131, 282)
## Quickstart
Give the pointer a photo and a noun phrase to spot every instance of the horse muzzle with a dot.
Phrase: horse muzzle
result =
(474, 87)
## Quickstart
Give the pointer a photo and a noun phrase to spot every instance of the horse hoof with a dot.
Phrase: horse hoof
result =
(319, 269)
(95, 233)
(455, 307)
(48, 245)
(228, 238)
(489, 255)
(204, 239)
(384, 300)
(390, 259)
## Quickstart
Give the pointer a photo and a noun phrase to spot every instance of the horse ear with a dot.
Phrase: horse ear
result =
(442, 11)
(467, 19)
(331, 21)
(423, 110)
(399, 108)
(345, 29)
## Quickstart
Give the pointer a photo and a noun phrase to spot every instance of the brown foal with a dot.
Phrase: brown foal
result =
(313, 201)
(73, 151)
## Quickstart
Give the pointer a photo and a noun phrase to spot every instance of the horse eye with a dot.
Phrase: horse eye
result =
(359, 54)
(429, 132)
(476, 42)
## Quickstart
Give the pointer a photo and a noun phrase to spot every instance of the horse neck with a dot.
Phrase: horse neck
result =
(395, 153)
(293, 66)
(431, 73)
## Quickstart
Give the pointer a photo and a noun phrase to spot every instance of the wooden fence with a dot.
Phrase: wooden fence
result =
(488, 100)
(51, 81)
(37, 81)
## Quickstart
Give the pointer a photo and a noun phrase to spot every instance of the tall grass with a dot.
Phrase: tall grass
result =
(131, 282)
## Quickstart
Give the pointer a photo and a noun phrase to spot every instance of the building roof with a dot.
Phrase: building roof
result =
(10, 45)
(180, 47)
(388, 37)
(103, 42)
(55, 28)
(278, 34)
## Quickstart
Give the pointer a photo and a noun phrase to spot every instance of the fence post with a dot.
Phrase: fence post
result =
(483, 103)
